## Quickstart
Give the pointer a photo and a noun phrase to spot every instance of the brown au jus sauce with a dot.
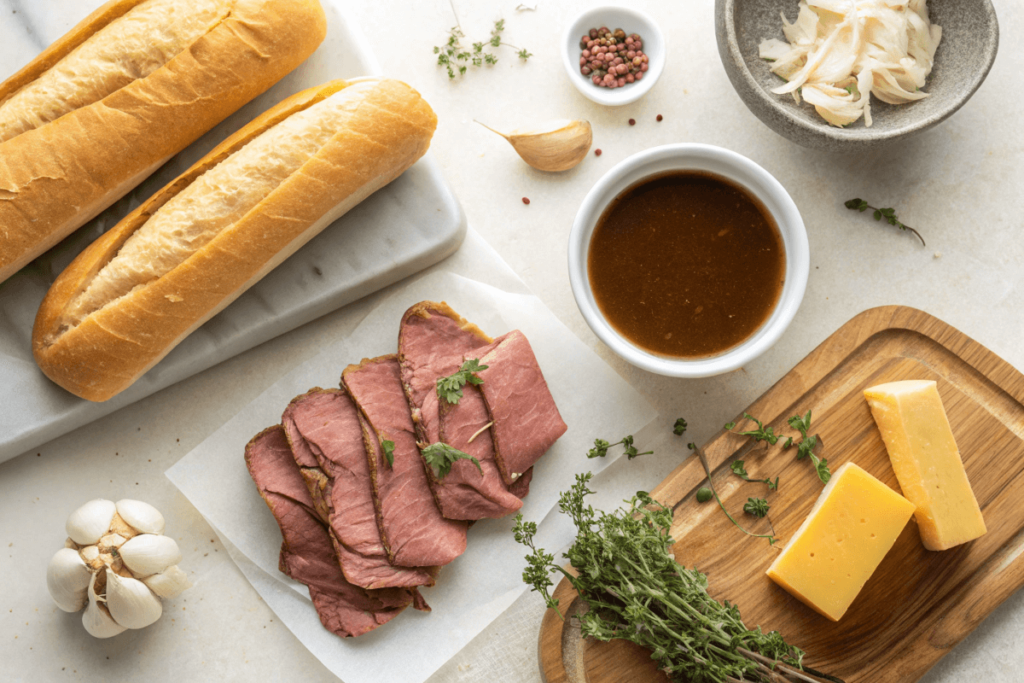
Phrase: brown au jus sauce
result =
(686, 264)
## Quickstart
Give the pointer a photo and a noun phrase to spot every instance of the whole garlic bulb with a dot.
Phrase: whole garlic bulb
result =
(118, 565)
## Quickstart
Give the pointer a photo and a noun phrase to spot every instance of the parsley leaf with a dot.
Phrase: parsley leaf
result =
(762, 433)
(805, 449)
(450, 388)
(441, 457)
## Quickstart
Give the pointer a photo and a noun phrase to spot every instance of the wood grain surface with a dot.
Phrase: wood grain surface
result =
(918, 604)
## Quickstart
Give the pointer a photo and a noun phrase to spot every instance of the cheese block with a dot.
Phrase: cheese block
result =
(853, 524)
(927, 462)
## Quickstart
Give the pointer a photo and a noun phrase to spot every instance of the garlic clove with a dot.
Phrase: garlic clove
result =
(147, 554)
(97, 620)
(169, 583)
(88, 523)
(67, 578)
(141, 516)
(131, 603)
(552, 146)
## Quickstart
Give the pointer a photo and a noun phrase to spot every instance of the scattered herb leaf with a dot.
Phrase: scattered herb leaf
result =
(704, 494)
(762, 433)
(441, 457)
(450, 388)
(680, 427)
(711, 484)
(758, 507)
(805, 449)
(389, 451)
(635, 590)
(889, 215)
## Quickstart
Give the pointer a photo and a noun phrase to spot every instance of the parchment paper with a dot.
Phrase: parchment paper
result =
(481, 584)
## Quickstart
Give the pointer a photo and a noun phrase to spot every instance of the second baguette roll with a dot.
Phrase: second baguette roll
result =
(196, 245)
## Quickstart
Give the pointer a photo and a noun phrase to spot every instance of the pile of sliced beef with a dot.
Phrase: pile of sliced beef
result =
(366, 521)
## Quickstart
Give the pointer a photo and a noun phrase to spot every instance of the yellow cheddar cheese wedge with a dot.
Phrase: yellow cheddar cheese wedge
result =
(852, 526)
(927, 462)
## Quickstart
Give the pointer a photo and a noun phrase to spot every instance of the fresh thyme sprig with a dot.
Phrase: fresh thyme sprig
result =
(456, 59)
(626, 573)
(889, 215)
(601, 447)
(807, 445)
(441, 457)
(741, 472)
(450, 388)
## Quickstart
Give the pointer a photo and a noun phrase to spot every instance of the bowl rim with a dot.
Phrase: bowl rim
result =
(689, 156)
(619, 96)
(726, 11)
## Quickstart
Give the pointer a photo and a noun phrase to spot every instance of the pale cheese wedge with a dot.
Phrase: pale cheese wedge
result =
(851, 527)
(927, 462)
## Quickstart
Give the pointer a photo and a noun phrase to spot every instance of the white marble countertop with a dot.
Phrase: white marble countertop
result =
(959, 184)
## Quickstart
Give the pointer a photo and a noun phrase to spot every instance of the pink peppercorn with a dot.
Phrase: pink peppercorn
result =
(526, 200)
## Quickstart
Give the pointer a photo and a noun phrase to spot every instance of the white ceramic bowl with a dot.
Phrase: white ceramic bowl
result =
(630, 21)
(736, 168)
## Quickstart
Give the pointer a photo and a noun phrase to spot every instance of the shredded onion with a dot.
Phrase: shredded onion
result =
(840, 52)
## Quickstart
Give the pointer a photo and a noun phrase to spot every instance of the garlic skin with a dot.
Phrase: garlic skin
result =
(131, 603)
(68, 578)
(141, 516)
(91, 521)
(97, 620)
(148, 554)
(118, 565)
(552, 146)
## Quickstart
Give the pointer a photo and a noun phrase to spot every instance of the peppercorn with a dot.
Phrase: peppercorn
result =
(526, 200)
(597, 152)
(632, 122)
(659, 117)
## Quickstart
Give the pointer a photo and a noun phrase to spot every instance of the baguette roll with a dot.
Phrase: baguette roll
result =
(121, 93)
(197, 244)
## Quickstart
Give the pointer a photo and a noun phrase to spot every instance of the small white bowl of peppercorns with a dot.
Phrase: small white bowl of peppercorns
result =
(613, 55)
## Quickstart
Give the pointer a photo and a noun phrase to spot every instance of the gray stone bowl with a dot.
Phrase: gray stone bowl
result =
(970, 38)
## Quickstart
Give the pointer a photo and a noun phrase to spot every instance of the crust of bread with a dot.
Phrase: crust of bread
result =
(114, 346)
(55, 178)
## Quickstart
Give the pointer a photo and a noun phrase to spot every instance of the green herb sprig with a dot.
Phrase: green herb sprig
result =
(441, 457)
(762, 433)
(711, 485)
(741, 472)
(601, 447)
(456, 59)
(889, 215)
(805, 449)
(450, 388)
(626, 573)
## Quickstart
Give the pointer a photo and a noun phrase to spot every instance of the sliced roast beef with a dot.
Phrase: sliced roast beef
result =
(411, 526)
(326, 424)
(526, 420)
(306, 554)
(432, 341)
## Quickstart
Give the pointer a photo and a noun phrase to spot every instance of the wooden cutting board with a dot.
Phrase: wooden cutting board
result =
(919, 604)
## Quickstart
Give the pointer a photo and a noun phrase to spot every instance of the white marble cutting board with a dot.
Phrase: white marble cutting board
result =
(411, 224)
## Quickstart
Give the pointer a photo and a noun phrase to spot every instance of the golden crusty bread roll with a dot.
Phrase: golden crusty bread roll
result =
(121, 93)
(197, 244)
